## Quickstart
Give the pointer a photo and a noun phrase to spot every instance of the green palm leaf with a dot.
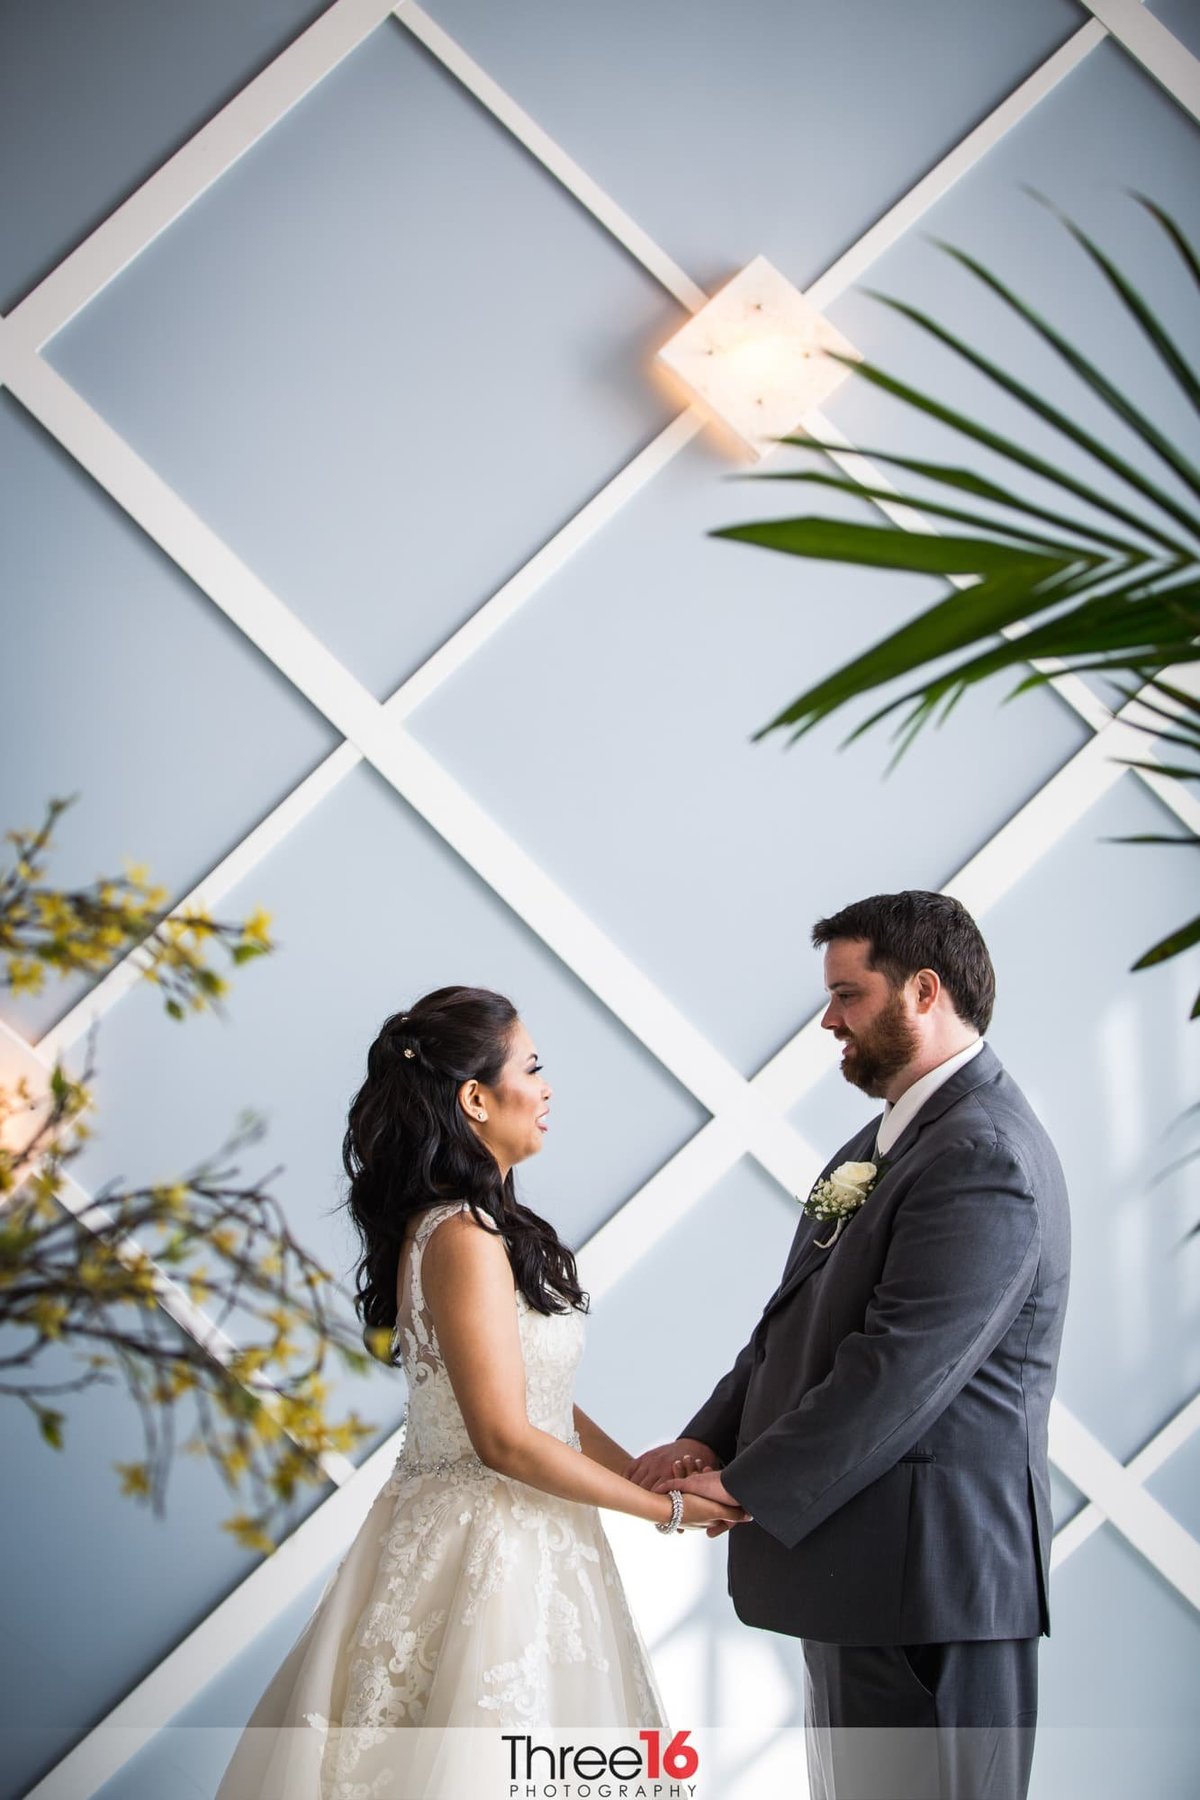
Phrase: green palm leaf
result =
(1013, 452)
(1087, 595)
(1157, 335)
(1002, 599)
(1187, 254)
(1174, 944)
(839, 540)
(965, 481)
(846, 484)
(1105, 389)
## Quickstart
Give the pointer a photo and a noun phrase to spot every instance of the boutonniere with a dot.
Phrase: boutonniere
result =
(841, 1194)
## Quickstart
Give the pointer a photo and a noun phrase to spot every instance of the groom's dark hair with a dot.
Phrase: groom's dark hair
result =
(916, 930)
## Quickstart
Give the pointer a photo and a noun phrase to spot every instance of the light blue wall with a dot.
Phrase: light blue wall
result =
(386, 357)
(420, 322)
(94, 98)
(779, 128)
(131, 690)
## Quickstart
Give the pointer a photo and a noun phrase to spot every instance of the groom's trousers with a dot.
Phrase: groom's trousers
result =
(921, 1721)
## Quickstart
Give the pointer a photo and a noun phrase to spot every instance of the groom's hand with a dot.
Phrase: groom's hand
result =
(667, 1463)
(705, 1482)
(709, 1486)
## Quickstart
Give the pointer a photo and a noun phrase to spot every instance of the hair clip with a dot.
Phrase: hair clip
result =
(409, 1051)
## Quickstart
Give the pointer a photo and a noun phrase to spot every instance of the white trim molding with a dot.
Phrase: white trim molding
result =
(1159, 51)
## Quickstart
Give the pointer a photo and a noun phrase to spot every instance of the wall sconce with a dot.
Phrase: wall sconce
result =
(753, 358)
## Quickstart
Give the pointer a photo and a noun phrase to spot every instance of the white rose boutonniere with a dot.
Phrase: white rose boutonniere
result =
(841, 1194)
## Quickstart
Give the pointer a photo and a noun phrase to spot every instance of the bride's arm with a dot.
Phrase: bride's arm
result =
(599, 1446)
(469, 1290)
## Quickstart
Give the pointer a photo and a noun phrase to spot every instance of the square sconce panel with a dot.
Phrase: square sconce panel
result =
(755, 356)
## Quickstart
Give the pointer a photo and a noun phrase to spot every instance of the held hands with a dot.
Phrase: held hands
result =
(701, 1513)
(698, 1483)
(654, 1466)
(691, 1467)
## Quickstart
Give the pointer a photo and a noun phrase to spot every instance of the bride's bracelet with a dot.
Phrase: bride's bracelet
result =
(676, 1518)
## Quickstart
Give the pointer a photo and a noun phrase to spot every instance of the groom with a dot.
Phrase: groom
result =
(885, 1426)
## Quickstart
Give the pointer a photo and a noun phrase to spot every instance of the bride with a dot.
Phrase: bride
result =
(481, 1589)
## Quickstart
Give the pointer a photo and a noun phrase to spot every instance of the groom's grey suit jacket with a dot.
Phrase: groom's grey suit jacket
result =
(886, 1424)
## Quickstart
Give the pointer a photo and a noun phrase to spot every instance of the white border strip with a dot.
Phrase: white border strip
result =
(1134, 1511)
(1158, 50)
(1140, 1468)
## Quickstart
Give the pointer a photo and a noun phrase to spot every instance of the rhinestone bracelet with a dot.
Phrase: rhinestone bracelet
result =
(676, 1518)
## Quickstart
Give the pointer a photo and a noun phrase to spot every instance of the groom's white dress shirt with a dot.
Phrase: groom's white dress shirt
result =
(906, 1108)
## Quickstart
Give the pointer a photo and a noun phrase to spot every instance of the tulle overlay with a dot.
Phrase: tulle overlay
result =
(466, 1599)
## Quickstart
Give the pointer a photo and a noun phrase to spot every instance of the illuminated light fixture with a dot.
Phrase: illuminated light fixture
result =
(754, 357)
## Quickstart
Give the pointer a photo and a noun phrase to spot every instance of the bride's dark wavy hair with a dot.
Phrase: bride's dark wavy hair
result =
(409, 1146)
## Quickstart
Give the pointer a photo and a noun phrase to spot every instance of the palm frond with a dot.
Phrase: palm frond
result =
(1013, 452)
(1176, 771)
(965, 481)
(1104, 389)
(1187, 255)
(938, 509)
(1051, 415)
(976, 615)
(1153, 330)
(997, 600)
(1174, 944)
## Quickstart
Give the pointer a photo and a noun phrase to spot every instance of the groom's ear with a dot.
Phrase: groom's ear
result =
(927, 986)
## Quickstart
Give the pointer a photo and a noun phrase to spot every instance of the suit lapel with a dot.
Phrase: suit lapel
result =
(806, 1255)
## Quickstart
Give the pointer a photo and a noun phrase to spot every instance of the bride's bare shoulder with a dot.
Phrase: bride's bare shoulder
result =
(460, 1233)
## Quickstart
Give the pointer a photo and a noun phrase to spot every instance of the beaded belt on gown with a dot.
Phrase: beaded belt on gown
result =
(469, 1464)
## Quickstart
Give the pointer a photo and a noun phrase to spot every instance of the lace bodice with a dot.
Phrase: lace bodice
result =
(551, 1344)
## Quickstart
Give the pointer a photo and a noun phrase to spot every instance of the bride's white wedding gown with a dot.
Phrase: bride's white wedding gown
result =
(466, 1599)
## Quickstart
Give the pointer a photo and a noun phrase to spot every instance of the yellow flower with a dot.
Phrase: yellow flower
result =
(234, 1461)
(249, 1533)
(25, 976)
(47, 1315)
(171, 1195)
(135, 1477)
(257, 926)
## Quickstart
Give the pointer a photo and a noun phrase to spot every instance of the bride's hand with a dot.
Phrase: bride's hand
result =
(700, 1514)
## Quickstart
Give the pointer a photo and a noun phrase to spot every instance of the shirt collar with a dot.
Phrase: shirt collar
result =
(896, 1118)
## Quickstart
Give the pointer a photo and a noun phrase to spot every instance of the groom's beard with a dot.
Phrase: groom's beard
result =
(874, 1057)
